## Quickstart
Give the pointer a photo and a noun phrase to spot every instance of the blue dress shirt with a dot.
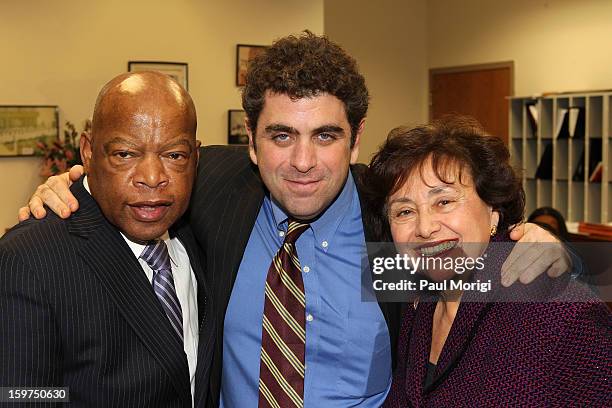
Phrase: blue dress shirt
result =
(348, 358)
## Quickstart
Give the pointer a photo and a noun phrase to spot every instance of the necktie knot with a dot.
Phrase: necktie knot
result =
(294, 230)
(156, 256)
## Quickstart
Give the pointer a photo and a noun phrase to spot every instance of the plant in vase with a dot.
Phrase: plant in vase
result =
(60, 155)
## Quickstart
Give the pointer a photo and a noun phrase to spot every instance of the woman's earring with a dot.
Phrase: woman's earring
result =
(493, 230)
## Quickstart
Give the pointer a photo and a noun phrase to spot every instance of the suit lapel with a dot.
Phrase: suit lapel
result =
(205, 315)
(473, 309)
(182, 231)
(226, 200)
(249, 192)
(119, 272)
(418, 349)
(462, 331)
(419, 346)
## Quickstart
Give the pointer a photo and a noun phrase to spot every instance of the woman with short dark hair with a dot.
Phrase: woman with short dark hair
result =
(448, 190)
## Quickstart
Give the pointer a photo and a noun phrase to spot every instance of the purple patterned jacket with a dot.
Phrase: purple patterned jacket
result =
(509, 354)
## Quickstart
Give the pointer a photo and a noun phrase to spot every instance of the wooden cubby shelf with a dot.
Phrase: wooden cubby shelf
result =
(559, 143)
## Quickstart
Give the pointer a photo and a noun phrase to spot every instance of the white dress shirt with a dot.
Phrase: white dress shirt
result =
(186, 290)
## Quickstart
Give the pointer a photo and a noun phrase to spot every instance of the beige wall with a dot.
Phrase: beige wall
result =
(62, 52)
(387, 38)
(557, 45)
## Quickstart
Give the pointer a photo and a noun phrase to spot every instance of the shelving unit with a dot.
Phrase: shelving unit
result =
(564, 188)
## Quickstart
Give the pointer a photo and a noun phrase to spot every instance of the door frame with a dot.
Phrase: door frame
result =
(468, 68)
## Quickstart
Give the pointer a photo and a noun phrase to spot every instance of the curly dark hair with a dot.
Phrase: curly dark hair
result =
(453, 142)
(303, 67)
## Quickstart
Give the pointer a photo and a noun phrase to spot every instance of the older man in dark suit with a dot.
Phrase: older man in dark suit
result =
(112, 303)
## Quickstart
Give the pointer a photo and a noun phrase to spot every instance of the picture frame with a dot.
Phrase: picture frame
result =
(244, 54)
(22, 126)
(179, 71)
(236, 128)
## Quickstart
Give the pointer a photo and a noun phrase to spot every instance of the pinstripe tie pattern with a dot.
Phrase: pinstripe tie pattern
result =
(157, 257)
(283, 339)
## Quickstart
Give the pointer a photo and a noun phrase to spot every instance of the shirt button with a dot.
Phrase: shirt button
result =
(324, 244)
(309, 318)
(281, 233)
(306, 269)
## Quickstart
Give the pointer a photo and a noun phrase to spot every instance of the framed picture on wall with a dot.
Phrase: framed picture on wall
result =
(244, 54)
(22, 127)
(236, 129)
(179, 71)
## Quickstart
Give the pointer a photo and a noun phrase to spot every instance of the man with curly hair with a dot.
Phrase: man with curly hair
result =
(306, 103)
(283, 238)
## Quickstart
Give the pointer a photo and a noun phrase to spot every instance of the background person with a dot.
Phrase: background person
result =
(550, 218)
(445, 185)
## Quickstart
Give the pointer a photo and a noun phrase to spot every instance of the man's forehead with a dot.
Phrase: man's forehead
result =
(146, 138)
(146, 115)
(310, 111)
(315, 99)
(143, 109)
(142, 124)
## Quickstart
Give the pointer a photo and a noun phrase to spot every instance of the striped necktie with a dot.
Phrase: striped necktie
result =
(156, 256)
(283, 339)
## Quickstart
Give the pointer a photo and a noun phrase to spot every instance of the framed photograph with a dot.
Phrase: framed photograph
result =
(179, 71)
(244, 54)
(21, 127)
(236, 129)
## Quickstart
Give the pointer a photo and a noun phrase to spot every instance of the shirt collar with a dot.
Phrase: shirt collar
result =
(326, 225)
(86, 184)
(138, 248)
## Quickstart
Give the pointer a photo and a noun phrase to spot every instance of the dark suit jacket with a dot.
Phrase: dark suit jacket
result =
(225, 203)
(536, 354)
(77, 310)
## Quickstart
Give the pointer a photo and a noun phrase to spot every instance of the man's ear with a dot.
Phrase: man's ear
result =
(355, 148)
(252, 148)
(86, 150)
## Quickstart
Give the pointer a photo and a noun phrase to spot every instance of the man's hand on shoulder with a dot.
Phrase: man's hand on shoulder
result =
(55, 194)
(538, 251)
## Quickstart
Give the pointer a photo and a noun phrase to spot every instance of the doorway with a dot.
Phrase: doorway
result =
(479, 90)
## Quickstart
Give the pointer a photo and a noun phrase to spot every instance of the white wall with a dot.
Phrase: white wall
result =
(387, 38)
(62, 52)
(557, 45)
